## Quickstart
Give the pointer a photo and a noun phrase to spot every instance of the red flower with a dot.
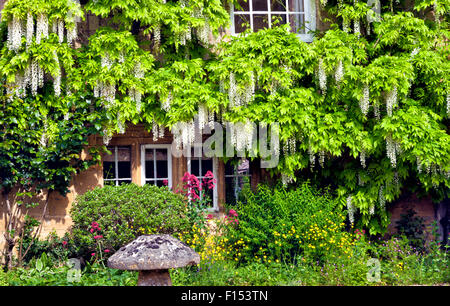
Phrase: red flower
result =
(165, 182)
(98, 237)
(92, 254)
(107, 251)
(64, 243)
(209, 217)
(233, 213)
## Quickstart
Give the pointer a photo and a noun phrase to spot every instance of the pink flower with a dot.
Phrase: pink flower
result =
(92, 254)
(233, 213)
(209, 217)
(98, 237)
(165, 182)
(107, 251)
(92, 230)
(64, 243)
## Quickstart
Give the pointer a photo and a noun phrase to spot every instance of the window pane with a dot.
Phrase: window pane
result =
(109, 183)
(229, 168)
(160, 183)
(109, 157)
(259, 5)
(195, 167)
(297, 22)
(149, 169)
(162, 170)
(124, 154)
(124, 169)
(207, 165)
(241, 23)
(260, 22)
(243, 166)
(244, 5)
(278, 5)
(296, 6)
(109, 170)
(124, 182)
(278, 19)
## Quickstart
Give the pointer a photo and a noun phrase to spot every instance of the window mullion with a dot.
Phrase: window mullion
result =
(269, 14)
(154, 165)
(250, 8)
(116, 164)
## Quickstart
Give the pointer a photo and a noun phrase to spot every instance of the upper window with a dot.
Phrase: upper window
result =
(260, 14)
(117, 166)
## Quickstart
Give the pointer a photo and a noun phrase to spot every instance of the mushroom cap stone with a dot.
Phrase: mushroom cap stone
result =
(153, 252)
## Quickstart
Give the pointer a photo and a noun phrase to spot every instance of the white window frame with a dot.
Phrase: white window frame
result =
(309, 14)
(116, 178)
(215, 162)
(169, 163)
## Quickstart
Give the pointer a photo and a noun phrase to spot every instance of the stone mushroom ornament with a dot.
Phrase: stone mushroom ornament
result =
(153, 256)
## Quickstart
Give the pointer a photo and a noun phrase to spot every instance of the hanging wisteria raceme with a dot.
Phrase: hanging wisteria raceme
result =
(351, 209)
(167, 102)
(106, 61)
(376, 111)
(292, 145)
(211, 119)
(15, 33)
(321, 158)
(391, 100)
(339, 73)
(362, 158)
(247, 135)
(357, 29)
(391, 150)
(60, 25)
(360, 180)
(30, 29)
(345, 25)
(312, 158)
(364, 102)
(202, 116)
(381, 198)
(155, 131)
(41, 27)
(372, 209)
(232, 90)
(161, 131)
(120, 124)
(157, 37)
(322, 77)
(286, 179)
(107, 135)
(419, 165)
(57, 77)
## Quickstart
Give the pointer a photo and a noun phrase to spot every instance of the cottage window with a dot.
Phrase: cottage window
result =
(236, 175)
(156, 164)
(199, 166)
(117, 166)
(260, 14)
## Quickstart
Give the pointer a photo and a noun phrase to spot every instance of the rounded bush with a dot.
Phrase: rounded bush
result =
(107, 218)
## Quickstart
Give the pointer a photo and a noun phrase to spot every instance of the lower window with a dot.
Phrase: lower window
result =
(156, 164)
(236, 175)
(117, 166)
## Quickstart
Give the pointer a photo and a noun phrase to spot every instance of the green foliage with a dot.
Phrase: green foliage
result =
(280, 225)
(413, 228)
(122, 213)
(322, 94)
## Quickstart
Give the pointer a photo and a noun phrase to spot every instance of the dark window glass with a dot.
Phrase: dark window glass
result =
(245, 6)
(278, 5)
(109, 170)
(297, 22)
(260, 21)
(259, 5)
(241, 23)
(278, 19)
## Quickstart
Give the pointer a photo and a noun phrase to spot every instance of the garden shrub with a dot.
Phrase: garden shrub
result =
(412, 227)
(107, 218)
(280, 224)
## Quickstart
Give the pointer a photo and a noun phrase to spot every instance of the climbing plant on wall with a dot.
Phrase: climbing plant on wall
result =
(364, 107)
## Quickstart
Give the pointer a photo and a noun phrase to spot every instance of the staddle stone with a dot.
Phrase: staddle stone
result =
(152, 256)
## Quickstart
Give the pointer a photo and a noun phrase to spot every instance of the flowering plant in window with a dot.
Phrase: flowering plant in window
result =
(197, 196)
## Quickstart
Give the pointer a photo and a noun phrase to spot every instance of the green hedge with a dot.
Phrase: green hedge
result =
(123, 213)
